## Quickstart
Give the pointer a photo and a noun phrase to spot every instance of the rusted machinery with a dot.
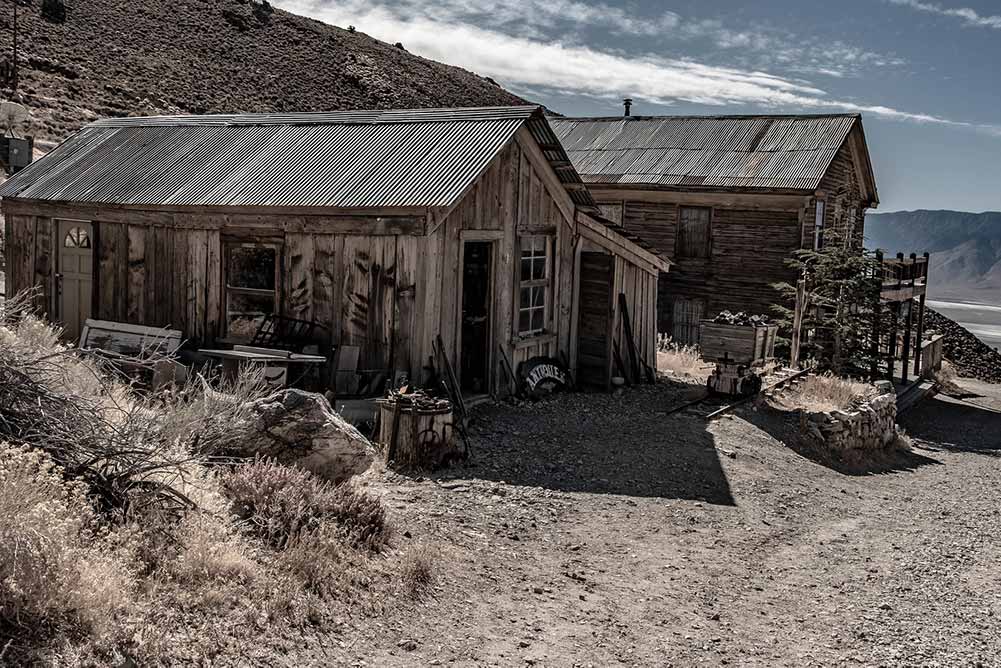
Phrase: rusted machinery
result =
(741, 347)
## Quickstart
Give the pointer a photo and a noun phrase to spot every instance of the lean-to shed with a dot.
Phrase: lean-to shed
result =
(387, 228)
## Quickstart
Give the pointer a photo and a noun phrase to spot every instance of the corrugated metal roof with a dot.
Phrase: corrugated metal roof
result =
(397, 158)
(753, 152)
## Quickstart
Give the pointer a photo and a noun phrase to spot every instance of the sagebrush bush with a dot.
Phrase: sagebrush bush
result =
(117, 539)
(282, 503)
(50, 572)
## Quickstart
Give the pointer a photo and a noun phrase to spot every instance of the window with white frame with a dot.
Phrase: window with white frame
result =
(251, 287)
(535, 281)
(818, 226)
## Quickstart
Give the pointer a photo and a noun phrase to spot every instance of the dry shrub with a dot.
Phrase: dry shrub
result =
(282, 503)
(116, 532)
(681, 360)
(209, 551)
(827, 392)
(51, 575)
(418, 569)
(326, 565)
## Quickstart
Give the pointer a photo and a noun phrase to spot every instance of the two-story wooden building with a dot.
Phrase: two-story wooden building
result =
(728, 199)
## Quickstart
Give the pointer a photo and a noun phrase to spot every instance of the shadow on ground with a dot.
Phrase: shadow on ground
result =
(783, 426)
(600, 444)
(952, 423)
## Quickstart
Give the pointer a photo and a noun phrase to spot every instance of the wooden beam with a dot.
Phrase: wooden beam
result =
(611, 240)
(717, 199)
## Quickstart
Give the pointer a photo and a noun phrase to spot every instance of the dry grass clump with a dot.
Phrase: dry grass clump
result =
(418, 570)
(827, 392)
(681, 360)
(122, 539)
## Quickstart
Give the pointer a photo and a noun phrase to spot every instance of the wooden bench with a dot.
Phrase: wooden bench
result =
(126, 345)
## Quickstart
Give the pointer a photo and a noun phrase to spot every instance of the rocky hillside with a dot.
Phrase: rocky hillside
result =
(211, 56)
(972, 357)
(965, 248)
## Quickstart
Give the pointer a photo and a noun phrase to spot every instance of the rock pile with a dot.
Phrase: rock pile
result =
(871, 426)
(972, 357)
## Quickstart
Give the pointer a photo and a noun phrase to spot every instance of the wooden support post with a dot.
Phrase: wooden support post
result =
(877, 312)
(905, 357)
(891, 357)
(797, 323)
(921, 336)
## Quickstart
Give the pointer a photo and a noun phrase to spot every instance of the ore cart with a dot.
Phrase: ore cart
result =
(740, 353)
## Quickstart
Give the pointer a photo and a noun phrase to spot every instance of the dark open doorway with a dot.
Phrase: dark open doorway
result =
(594, 320)
(474, 359)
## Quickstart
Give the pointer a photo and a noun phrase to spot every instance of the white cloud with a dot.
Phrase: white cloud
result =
(968, 16)
(439, 31)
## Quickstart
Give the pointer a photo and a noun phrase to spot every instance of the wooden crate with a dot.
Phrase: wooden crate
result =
(742, 344)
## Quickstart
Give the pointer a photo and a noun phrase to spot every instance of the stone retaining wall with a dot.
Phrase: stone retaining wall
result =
(871, 426)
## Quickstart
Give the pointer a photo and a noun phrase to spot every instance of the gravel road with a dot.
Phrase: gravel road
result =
(593, 530)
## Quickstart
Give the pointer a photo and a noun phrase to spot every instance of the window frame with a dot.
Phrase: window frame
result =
(819, 223)
(276, 293)
(544, 284)
(709, 232)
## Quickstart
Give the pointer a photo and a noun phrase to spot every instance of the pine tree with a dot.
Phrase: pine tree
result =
(842, 289)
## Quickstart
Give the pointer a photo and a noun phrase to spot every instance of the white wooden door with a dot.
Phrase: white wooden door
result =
(76, 275)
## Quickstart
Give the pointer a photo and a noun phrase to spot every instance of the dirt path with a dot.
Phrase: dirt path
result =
(594, 530)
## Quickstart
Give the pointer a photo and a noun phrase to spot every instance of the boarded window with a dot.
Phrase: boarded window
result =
(534, 285)
(686, 316)
(818, 226)
(251, 287)
(694, 231)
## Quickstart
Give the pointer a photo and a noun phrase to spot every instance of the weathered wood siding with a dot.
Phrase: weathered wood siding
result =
(752, 236)
(516, 196)
(388, 282)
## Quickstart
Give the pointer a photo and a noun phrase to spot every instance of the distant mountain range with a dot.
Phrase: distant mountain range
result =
(965, 249)
(147, 57)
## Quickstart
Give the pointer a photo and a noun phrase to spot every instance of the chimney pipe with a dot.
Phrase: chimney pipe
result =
(627, 103)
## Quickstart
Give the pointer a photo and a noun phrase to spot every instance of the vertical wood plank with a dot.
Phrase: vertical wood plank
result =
(298, 283)
(404, 311)
(137, 275)
(213, 294)
(44, 263)
(324, 283)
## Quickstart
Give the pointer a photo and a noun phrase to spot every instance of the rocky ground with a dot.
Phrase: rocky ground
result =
(593, 530)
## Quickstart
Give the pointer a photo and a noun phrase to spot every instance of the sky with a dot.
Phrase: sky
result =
(925, 75)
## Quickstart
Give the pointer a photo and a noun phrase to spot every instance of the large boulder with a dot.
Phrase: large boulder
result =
(300, 428)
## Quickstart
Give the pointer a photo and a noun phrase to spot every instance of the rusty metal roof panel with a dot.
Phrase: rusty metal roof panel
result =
(764, 152)
(396, 158)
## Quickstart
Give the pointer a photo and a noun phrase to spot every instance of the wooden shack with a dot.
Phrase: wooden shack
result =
(386, 228)
(728, 199)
